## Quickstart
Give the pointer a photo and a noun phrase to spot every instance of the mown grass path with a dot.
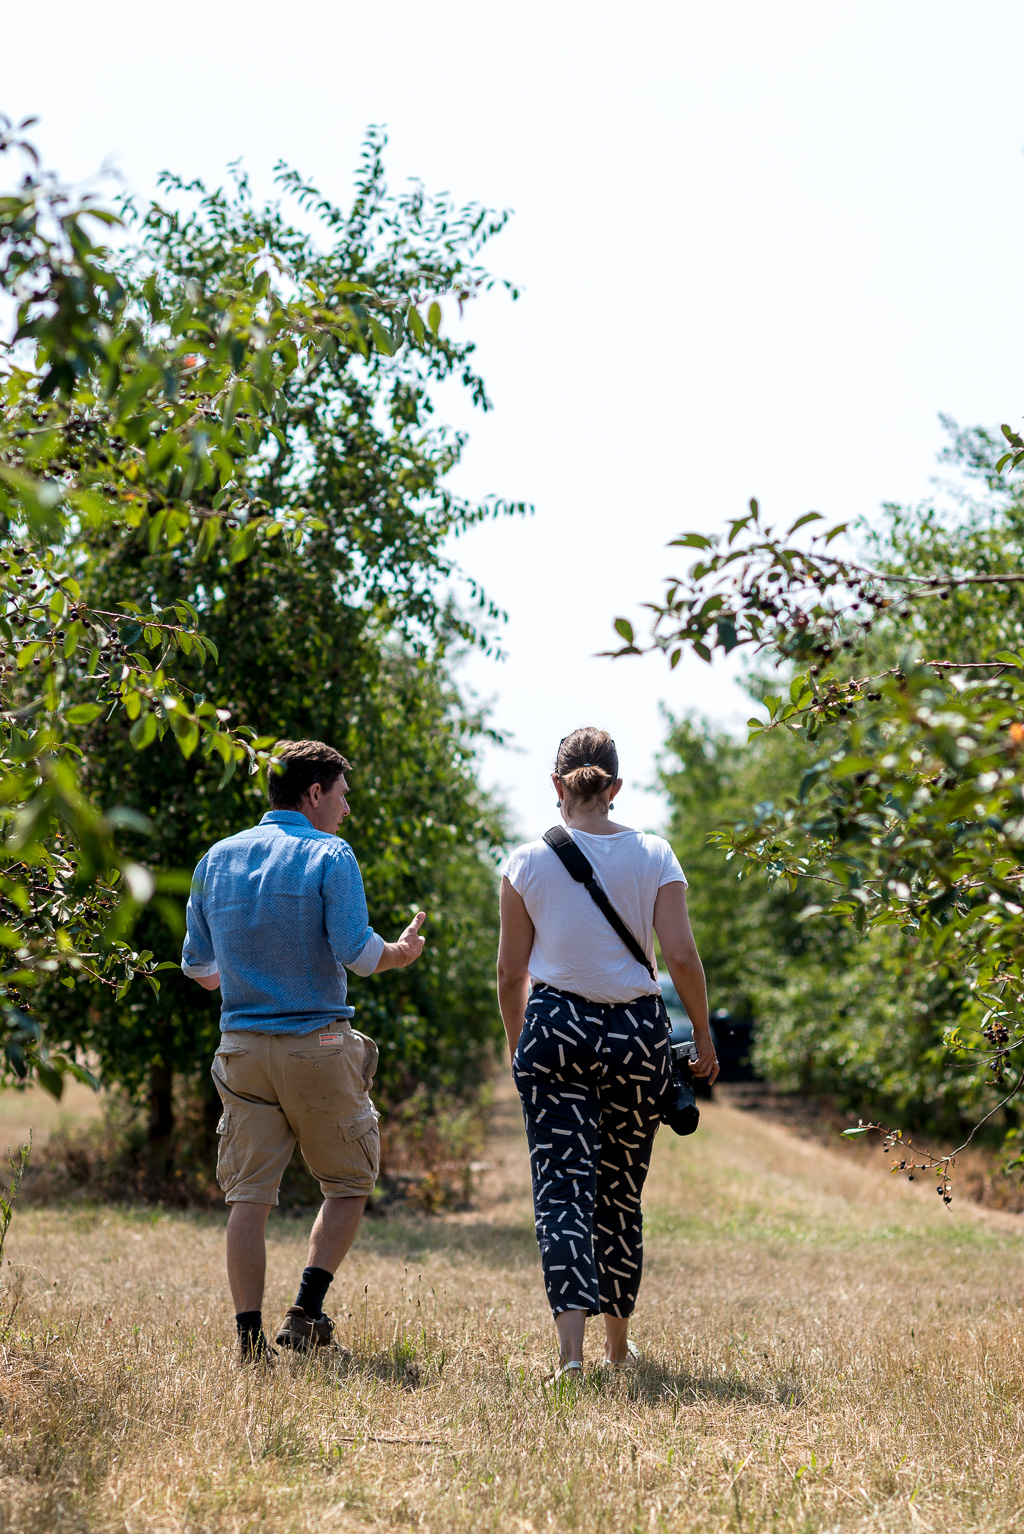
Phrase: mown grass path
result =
(823, 1350)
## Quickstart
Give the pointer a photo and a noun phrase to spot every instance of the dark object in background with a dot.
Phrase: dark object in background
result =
(682, 1028)
(681, 1113)
(731, 1037)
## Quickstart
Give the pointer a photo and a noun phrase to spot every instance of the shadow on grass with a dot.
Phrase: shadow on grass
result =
(655, 1384)
(396, 1363)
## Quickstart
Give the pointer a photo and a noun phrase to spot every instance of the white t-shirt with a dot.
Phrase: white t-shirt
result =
(574, 946)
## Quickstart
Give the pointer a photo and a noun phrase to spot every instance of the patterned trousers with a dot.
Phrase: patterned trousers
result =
(591, 1078)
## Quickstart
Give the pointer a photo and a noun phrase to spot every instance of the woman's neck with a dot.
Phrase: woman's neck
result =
(593, 818)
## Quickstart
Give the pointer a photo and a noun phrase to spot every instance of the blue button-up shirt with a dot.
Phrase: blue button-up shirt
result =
(279, 912)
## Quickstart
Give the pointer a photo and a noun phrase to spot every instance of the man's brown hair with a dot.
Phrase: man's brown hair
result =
(305, 762)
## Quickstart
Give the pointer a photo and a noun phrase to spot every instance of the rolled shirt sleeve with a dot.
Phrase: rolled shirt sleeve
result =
(346, 919)
(197, 956)
(369, 955)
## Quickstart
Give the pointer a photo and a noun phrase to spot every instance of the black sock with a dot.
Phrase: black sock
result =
(250, 1328)
(314, 1285)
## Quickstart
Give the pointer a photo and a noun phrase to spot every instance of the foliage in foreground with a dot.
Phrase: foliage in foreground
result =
(225, 520)
(866, 895)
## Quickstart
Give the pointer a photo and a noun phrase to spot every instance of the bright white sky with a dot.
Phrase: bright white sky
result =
(761, 247)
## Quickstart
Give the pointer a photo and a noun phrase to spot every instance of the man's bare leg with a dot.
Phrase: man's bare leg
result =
(334, 1231)
(305, 1325)
(247, 1254)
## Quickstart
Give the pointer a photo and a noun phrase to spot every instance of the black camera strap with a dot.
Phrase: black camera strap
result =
(576, 863)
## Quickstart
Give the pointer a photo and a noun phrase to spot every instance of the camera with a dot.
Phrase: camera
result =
(680, 1112)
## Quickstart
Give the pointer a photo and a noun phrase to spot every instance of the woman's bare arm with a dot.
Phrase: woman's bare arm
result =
(672, 924)
(514, 948)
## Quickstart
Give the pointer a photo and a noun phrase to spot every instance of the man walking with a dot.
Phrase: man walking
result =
(276, 915)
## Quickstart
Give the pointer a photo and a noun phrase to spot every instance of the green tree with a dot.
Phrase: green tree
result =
(226, 520)
(899, 679)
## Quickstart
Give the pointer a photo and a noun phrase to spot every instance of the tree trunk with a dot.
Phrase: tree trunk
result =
(161, 1102)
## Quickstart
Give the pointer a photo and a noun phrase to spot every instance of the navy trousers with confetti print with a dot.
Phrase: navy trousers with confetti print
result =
(592, 1079)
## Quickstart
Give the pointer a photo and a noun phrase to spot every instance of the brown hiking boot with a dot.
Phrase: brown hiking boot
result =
(298, 1331)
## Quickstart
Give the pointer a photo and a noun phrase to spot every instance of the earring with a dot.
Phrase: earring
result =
(558, 804)
(611, 806)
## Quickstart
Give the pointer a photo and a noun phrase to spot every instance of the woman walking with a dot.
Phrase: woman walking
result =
(589, 1039)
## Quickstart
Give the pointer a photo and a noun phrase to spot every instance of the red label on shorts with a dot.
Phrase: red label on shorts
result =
(330, 1038)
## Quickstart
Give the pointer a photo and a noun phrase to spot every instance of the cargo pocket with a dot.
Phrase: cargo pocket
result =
(222, 1062)
(227, 1151)
(360, 1145)
(371, 1054)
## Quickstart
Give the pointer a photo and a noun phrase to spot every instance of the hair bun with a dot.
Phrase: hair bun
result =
(587, 762)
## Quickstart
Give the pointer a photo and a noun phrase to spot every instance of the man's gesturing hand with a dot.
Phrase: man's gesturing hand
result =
(410, 944)
(408, 948)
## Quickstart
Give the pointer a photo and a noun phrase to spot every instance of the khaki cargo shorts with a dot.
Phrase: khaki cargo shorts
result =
(280, 1088)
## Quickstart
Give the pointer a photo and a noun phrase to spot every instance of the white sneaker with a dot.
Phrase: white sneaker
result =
(565, 1372)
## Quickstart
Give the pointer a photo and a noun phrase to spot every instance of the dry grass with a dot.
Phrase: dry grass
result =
(30, 1108)
(823, 1350)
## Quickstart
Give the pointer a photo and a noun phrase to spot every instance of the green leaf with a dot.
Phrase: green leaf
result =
(155, 530)
(624, 629)
(188, 738)
(860, 1129)
(72, 637)
(143, 731)
(434, 316)
(52, 1081)
(84, 713)
(208, 535)
(808, 516)
(851, 764)
(691, 541)
(243, 541)
(227, 774)
(728, 638)
(811, 777)
(416, 325)
(383, 342)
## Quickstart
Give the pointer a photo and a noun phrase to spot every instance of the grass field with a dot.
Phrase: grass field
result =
(822, 1349)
